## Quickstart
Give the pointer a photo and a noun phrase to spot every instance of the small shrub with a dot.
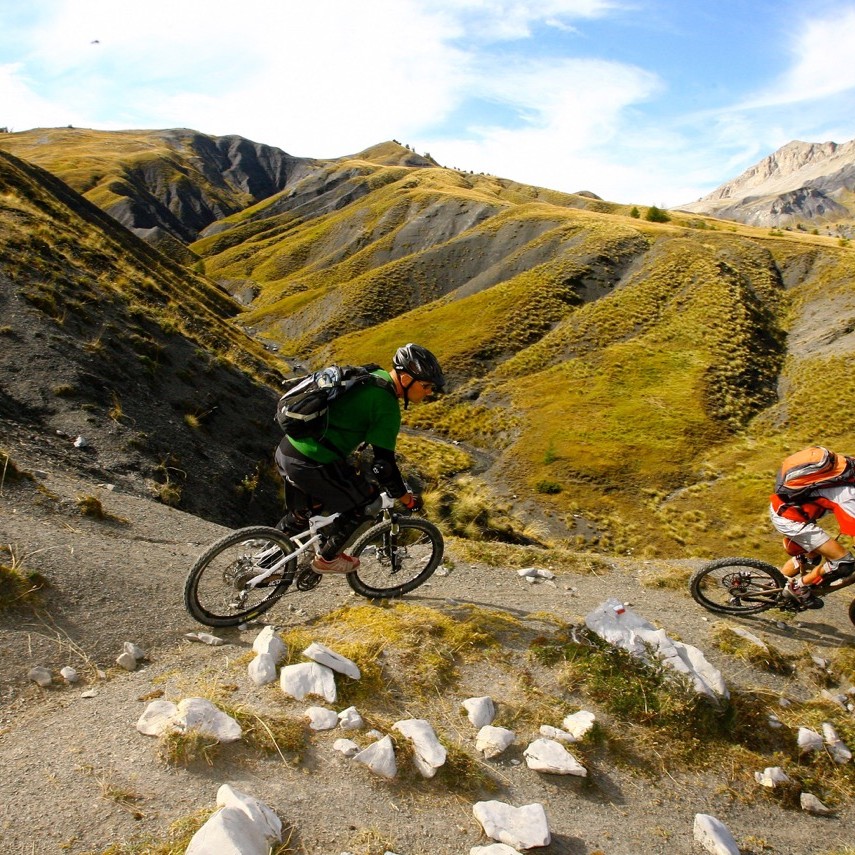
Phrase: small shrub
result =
(656, 215)
(90, 506)
(18, 586)
(184, 749)
(548, 487)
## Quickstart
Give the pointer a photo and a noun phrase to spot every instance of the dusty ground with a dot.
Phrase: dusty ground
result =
(64, 757)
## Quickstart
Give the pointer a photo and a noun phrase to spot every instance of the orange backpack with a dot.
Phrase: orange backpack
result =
(809, 470)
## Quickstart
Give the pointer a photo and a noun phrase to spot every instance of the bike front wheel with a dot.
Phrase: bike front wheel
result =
(737, 586)
(219, 590)
(395, 557)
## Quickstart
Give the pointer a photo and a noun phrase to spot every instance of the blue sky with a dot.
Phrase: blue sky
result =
(642, 101)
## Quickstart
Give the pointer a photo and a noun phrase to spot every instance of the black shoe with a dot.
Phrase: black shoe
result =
(843, 570)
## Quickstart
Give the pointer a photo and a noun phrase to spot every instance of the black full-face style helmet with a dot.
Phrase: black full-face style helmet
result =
(420, 364)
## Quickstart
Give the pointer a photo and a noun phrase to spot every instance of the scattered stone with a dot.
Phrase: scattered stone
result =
(190, 714)
(324, 656)
(547, 755)
(494, 849)
(350, 719)
(774, 721)
(242, 826)
(623, 628)
(321, 718)
(308, 678)
(269, 643)
(535, 574)
(40, 675)
(809, 740)
(204, 638)
(579, 724)
(81, 442)
(714, 836)
(69, 674)
(480, 711)
(518, 827)
(811, 804)
(379, 757)
(127, 661)
(347, 747)
(429, 753)
(89, 693)
(492, 741)
(262, 669)
(550, 732)
(835, 697)
(838, 750)
(771, 777)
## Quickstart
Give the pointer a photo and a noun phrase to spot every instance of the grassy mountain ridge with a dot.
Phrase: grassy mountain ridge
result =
(638, 380)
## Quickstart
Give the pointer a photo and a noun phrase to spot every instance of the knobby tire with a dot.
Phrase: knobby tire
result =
(393, 563)
(736, 586)
(213, 591)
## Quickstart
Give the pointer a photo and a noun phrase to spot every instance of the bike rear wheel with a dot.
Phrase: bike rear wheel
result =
(737, 586)
(217, 590)
(395, 557)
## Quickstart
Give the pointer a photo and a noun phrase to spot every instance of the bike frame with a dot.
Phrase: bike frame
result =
(306, 540)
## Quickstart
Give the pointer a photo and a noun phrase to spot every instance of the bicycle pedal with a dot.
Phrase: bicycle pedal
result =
(308, 579)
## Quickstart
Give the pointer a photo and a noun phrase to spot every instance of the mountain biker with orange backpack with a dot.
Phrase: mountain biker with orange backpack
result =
(319, 478)
(810, 484)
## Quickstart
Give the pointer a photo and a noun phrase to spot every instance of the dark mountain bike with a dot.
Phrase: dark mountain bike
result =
(244, 573)
(744, 586)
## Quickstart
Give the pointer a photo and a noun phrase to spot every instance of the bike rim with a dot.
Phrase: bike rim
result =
(738, 588)
(223, 588)
(395, 557)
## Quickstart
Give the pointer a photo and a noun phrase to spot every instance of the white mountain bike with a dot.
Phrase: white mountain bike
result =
(247, 571)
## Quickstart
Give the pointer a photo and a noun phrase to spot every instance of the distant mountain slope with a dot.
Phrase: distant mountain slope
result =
(102, 337)
(810, 185)
(166, 186)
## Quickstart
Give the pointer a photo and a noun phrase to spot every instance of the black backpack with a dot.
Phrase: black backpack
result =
(302, 411)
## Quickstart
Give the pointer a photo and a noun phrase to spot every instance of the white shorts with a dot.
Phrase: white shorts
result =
(808, 535)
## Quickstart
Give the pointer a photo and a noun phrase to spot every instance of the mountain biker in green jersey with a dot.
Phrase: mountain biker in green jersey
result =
(319, 478)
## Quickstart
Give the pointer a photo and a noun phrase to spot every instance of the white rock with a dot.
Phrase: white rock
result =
(321, 718)
(579, 724)
(623, 628)
(835, 697)
(519, 827)
(347, 747)
(89, 693)
(550, 732)
(350, 719)
(200, 714)
(547, 755)
(714, 835)
(774, 721)
(308, 678)
(157, 718)
(379, 757)
(324, 656)
(494, 849)
(267, 641)
(205, 638)
(135, 651)
(771, 776)
(492, 741)
(242, 826)
(811, 804)
(69, 674)
(262, 669)
(535, 573)
(190, 714)
(40, 675)
(836, 747)
(127, 661)
(81, 442)
(480, 711)
(809, 740)
(429, 753)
